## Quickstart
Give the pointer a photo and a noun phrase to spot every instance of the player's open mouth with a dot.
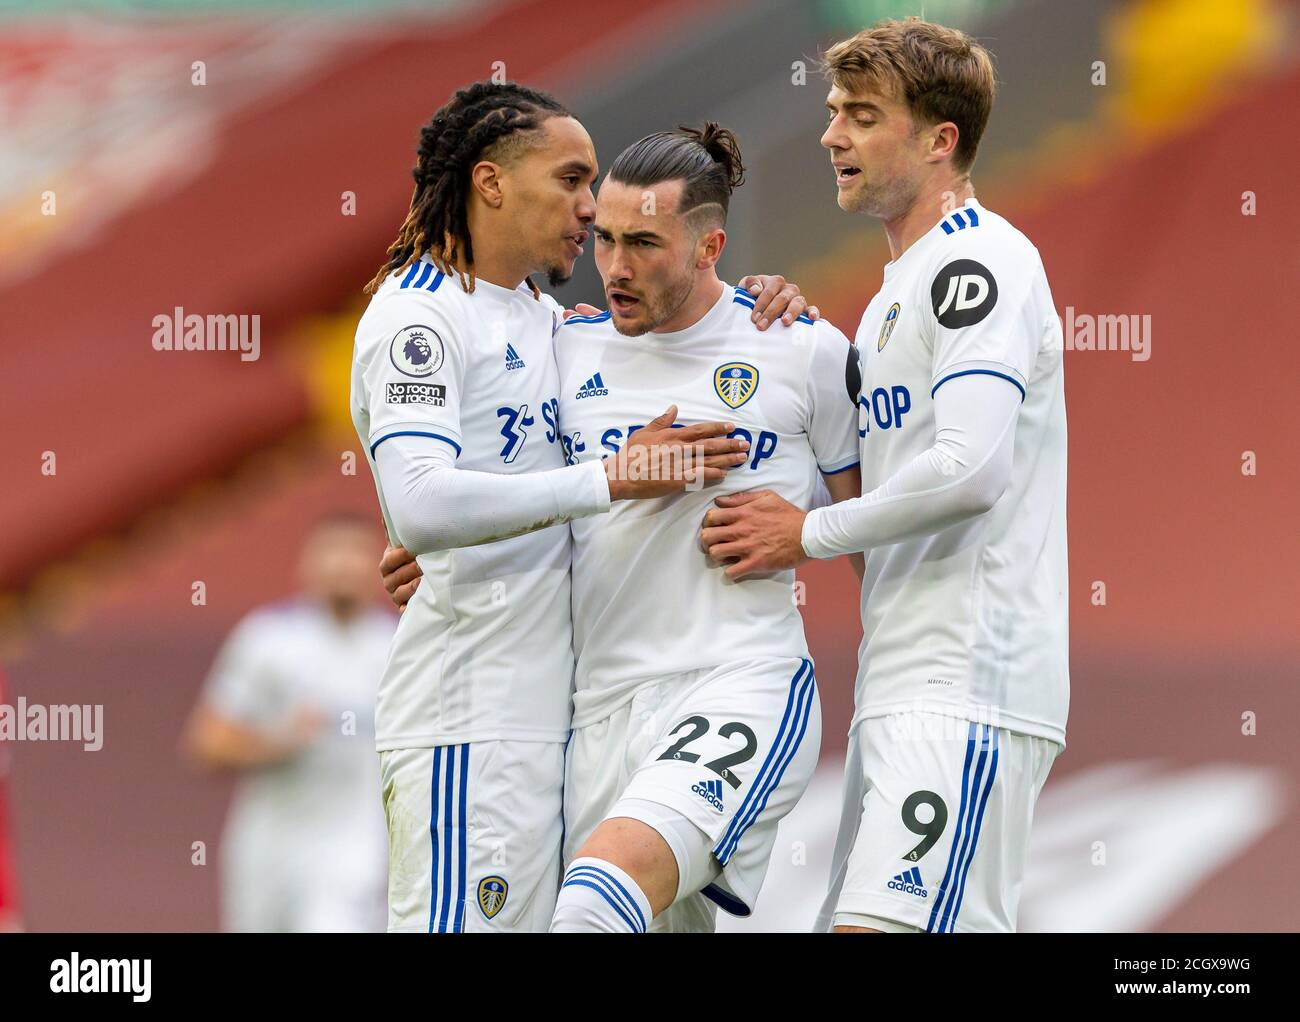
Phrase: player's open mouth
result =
(622, 302)
(844, 173)
(577, 240)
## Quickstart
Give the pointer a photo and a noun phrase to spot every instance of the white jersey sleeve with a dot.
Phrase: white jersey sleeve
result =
(414, 379)
(982, 315)
(435, 506)
(833, 423)
(961, 475)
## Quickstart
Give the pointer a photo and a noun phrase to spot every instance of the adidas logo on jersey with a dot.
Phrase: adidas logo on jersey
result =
(513, 361)
(909, 883)
(595, 387)
(710, 791)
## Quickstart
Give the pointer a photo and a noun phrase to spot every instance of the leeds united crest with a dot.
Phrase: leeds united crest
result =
(735, 383)
(492, 893)
(887, 327)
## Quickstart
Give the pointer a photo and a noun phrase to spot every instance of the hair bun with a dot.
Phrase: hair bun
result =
(721, 144)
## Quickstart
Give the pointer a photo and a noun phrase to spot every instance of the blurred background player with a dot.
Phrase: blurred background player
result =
(963, 677)
(289, 709)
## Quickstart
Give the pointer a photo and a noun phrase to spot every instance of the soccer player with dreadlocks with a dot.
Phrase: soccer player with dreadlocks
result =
(455, 398)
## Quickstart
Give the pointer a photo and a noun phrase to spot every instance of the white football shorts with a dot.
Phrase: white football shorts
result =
(935, 827)
(730, 749)
(474, 836)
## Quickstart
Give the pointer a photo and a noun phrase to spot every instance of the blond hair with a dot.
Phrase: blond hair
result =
(941, 73)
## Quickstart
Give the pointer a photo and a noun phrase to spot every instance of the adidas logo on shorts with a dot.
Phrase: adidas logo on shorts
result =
(909, 883)
(710, 791)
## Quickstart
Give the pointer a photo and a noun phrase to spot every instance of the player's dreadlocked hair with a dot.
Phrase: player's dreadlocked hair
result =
(707, 159)
(473, 121)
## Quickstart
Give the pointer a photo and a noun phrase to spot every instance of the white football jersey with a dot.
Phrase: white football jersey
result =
(484, 649)
(648, 601)
(973, 620)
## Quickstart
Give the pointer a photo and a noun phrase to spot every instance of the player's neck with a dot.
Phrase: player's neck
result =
(502, 269)
(497, 256)
(704, 296)
(931, 205)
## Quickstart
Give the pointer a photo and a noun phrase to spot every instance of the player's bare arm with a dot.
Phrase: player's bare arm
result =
(214, 741)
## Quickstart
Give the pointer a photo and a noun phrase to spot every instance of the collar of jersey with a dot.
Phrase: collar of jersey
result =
(487, 288)
(925, 241)
(705, 324)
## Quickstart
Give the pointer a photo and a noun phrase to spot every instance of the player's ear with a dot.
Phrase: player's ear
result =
(486, 180)
(709, 248)
(943, 141)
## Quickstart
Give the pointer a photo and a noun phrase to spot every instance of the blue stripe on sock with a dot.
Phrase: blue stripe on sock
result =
(584, 882)
(629, 902)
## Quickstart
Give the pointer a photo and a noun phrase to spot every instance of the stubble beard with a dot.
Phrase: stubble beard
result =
(664, 308)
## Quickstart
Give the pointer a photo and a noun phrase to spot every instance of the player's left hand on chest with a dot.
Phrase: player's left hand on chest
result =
(753, 532)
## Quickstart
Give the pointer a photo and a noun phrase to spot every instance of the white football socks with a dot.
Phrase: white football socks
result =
(598, 897)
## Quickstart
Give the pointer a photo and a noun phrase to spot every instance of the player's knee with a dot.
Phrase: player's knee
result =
(640, 851)
(597, 896)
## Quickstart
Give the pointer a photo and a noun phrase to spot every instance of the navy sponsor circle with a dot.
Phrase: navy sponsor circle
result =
(963, 293)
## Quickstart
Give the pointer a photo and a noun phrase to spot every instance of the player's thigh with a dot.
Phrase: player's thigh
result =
(944, 832)
(596, 770)
(474, 834)
(731, 758)
(601, 760)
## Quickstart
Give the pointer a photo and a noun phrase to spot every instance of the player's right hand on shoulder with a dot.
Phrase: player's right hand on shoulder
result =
(658, 459)
(401, 575)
